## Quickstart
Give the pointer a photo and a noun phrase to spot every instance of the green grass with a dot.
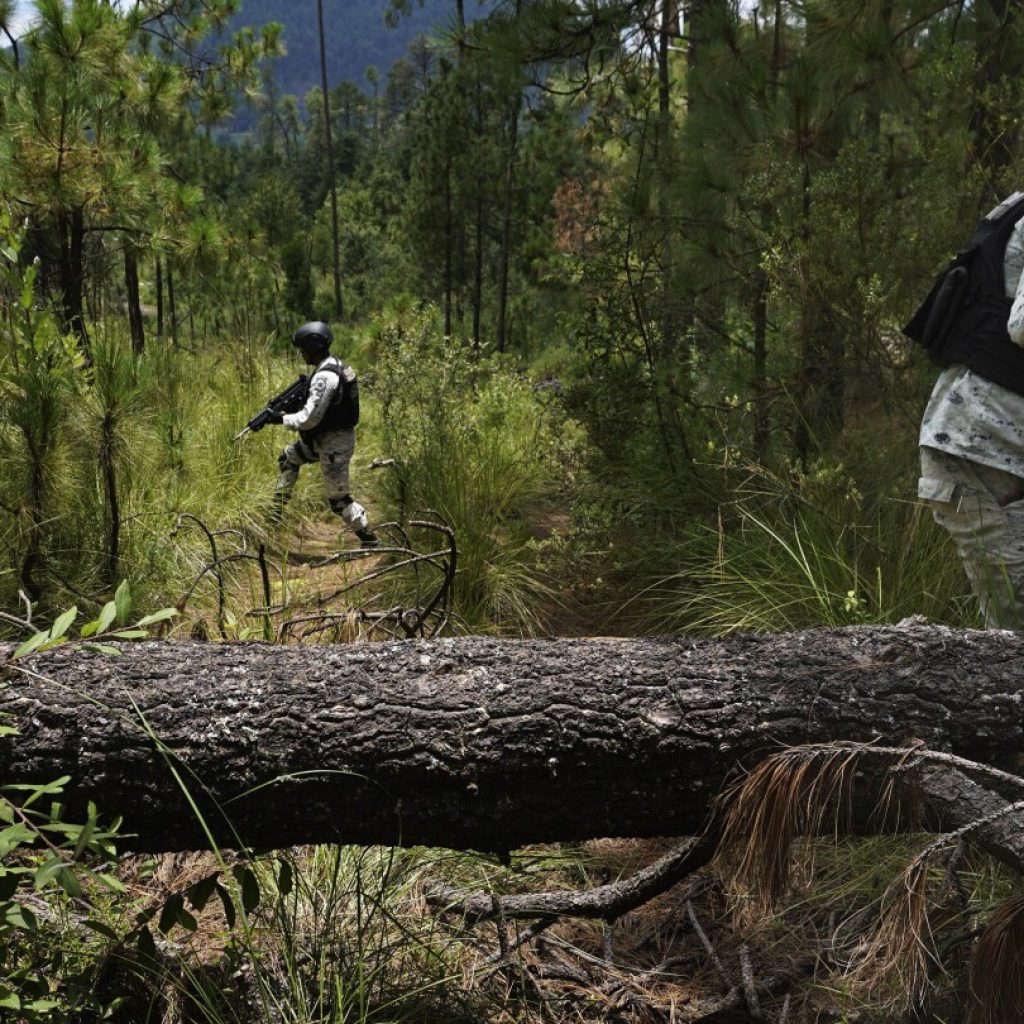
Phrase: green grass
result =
(786, 558)
(474, 443)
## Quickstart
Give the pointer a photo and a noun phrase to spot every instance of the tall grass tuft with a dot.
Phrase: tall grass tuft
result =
(471, 441)
(802, 551)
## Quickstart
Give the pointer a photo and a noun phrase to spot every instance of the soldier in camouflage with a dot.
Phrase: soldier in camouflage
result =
(326, 428)
(972, 467)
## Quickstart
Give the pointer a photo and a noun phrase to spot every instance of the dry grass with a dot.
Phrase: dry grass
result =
(997, 974)
(815, 924)
(787, 795)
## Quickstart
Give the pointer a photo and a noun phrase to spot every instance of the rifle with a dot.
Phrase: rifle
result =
(289, 400)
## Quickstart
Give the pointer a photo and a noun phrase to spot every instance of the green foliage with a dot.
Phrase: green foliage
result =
(474, 442)
(56, 876)
(806, 550)
(111, 624)
(36, 368)
(47, 867)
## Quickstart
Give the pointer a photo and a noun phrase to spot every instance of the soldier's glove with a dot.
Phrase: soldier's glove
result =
(275, 415)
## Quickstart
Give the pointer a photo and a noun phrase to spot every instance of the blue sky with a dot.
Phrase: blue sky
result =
(23, 11)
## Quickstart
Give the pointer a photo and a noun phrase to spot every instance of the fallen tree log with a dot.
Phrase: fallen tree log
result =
(480, 743)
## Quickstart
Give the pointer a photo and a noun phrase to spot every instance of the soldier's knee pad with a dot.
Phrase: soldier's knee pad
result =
(351, 511)
(282, 461)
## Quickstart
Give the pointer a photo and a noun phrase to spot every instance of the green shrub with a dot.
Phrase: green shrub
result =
(473, 442)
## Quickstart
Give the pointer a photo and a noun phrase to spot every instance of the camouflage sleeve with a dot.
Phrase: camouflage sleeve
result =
(321, 390)
(1013, 262)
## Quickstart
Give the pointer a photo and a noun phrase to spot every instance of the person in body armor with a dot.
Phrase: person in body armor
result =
(972, 433)
(326, 427)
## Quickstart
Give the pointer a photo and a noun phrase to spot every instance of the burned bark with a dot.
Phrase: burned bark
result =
(481, 743)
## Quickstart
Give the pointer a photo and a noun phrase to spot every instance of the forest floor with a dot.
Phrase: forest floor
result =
(692, 954)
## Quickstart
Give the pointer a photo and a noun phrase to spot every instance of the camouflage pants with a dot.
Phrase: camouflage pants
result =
(982, 508)
(334, 452)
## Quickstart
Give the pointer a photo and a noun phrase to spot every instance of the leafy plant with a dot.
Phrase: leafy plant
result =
(110, 624)
(52, 874)
(55, 875)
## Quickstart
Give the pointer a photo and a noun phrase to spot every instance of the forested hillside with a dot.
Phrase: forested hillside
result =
(623, 285)
(358, 36)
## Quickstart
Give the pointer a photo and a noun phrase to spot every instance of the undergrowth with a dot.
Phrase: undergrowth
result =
(800, 550)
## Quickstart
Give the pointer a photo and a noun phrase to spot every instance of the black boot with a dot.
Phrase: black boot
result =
(367, 538)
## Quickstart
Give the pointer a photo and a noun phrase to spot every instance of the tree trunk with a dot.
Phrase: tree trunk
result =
(478, 232)
(159, 299)
(505, 252)
(71, 240)
(108, 467)
(172, 313)
(329, 161)
(131, 285)
(448, 281)
(482, 743)
(759, 384)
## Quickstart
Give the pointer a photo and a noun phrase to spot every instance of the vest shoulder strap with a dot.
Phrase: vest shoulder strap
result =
(1006, 213)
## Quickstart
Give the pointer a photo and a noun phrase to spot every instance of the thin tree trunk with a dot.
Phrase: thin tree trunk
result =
(36, 517)
(478, 240)
(159, 298)
(448, 246)
(478, 269)
(171, 311)
(504, 255)
(479, 742)
(666, 174)
(109, 470)
(329, 160)
(14, 46)
(131, 284)
(760, 382)
(71, 232)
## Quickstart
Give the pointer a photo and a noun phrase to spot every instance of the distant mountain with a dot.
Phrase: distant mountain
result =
(356, 34)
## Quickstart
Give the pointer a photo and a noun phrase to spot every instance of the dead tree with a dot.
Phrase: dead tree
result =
(480, 743)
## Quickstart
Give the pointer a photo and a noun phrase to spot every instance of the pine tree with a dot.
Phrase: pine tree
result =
(84, 120)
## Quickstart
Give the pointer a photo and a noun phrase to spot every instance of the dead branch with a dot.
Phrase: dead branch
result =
(606, 902)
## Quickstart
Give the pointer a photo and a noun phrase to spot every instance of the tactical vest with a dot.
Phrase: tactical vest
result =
(343, 412)
(963, 319)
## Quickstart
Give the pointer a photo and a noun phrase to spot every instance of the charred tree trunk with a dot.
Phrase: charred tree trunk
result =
(134, 303)
(482, 743)
(159, 299)
(71, 240)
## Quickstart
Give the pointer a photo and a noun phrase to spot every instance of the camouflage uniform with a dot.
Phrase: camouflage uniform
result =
(332, 449)
(972, 468)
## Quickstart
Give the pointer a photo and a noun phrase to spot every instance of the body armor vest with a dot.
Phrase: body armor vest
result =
(343, 412)
(963, 319)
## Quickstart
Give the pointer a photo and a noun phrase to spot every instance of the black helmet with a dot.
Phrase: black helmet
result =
(312, 336)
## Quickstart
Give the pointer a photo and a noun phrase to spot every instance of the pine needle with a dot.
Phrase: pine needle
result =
(997, 968)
